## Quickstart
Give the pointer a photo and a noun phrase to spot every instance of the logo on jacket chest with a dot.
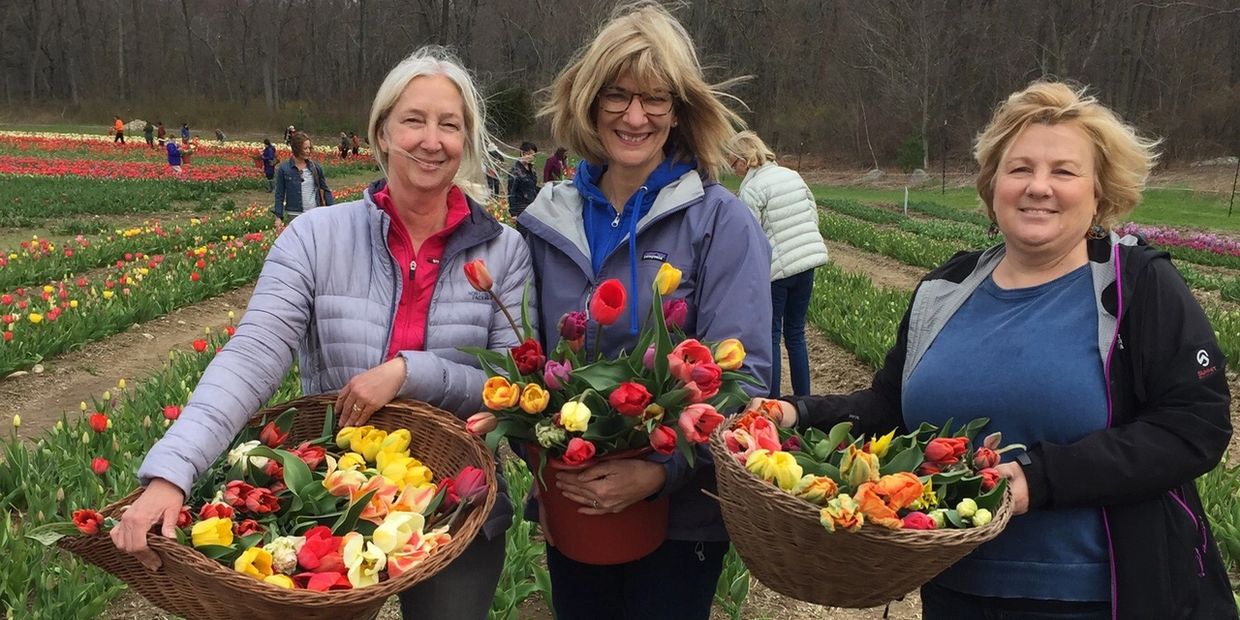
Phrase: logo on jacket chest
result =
(479, 296)
(654, 255)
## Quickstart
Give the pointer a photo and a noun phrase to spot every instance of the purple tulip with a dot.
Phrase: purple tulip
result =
(572, 325)
(555, 374)
(674, 313)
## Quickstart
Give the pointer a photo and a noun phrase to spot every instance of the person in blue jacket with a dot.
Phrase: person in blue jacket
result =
(300, 183)
(269, 163)
(647, 194)
(174, 156)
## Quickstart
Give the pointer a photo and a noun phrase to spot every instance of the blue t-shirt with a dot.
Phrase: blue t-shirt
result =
(1028, 360)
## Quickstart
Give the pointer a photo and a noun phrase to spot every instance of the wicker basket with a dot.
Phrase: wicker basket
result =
(198, 588)
(784, 545)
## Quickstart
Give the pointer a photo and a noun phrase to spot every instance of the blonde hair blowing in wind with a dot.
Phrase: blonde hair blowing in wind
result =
(427, 61)
(645, 42)
(748, 146)
(1122, 159)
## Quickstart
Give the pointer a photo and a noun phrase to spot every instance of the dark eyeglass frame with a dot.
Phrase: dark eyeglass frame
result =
(652, 104)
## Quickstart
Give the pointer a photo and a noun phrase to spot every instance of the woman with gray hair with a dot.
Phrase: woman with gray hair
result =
(353, 291)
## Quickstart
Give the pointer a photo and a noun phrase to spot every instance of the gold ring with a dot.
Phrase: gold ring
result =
(357, 408)
(595, 505)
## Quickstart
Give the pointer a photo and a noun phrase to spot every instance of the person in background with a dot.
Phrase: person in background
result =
(785, 208)
(355, 143)
(1084, 346)
(491, 166)
(288, 135)
(269, 163)
(300, 183)
(553, 170)
(161, 133)
(219, 136)
(522, 180)
(118, 131)
(174, 156)
(336, 294)
(650, 130)
(344, 145)
(184, 133)
(148, 132)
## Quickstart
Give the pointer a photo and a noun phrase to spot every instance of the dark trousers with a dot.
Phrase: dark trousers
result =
(120, 137)
(939, 603)
(789, 304)
(463, 590)
(675, 582)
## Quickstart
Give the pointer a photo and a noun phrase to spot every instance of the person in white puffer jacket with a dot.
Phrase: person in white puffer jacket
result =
(785, 208)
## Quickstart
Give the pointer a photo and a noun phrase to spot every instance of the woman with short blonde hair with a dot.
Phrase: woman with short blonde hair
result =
(635, 104)
(784, 205)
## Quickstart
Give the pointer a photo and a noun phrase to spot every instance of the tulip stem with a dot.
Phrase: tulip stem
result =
(598, 341)
(508, 316)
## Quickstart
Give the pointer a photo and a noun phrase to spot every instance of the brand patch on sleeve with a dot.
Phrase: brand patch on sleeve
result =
(653, 255)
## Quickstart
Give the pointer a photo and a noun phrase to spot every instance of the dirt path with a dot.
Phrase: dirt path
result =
(74, 377)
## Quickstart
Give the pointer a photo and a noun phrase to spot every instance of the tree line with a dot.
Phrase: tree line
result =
(865, 81)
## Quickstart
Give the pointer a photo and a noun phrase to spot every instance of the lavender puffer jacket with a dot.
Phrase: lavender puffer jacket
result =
(328, 292)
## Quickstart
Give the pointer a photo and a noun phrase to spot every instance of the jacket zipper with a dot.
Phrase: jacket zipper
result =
(1106, 376)
(1200, 549)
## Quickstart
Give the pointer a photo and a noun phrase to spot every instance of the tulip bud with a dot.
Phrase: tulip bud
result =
(981, 517)
(940, 518)
(481, 423)
(648, 358)
(107, 395)
(121, 384)
(17, 421)
(478, 275)
(966, 508)
(82, 405)
(60, 494)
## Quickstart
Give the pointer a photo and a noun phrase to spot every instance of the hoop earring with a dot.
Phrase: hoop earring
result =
(1096, 232)
(993, 230)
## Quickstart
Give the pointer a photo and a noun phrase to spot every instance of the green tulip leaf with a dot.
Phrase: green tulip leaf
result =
(215, 552)
(992, 498)
(50, 533)
(953, 517)
(907, 460)
(348, 521)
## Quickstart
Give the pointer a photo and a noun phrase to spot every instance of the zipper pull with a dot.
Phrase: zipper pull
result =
(413, 266)
(616, 222)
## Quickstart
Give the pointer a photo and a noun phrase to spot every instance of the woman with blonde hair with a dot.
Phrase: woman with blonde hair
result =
(635, 105)
(353, 291)
(785, 208)
(1088, 348)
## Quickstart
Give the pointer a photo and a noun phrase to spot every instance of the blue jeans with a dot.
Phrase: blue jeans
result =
(939, 603)
(789, 303)
(675, 582)
(464, 589)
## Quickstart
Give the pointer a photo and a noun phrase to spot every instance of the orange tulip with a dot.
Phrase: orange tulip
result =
(843, 513)
(478, 275)
(499, 394)
(875, 508)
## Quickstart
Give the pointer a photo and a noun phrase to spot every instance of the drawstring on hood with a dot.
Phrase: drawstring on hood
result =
(606, 228)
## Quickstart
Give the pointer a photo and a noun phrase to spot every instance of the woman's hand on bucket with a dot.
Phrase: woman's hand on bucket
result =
(159, 504)
(612, 486)
(368, 392)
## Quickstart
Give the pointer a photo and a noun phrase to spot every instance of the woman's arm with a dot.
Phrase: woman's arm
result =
(278, 209)
(246, 372)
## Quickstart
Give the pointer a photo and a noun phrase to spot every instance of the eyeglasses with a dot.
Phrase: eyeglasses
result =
(616, 100)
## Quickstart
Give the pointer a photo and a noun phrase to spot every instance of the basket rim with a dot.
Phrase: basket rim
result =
(469, 528)
(802, 508)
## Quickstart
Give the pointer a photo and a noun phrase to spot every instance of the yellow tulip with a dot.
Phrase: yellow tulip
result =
(730, 354)
(842, 512)
(534, 399)
(108, 294)
(667, 280)
(364, 559)
(370, 445)
(397, 442)
(498, 393)
(575, 416)
(352, 461)
(35, 318)
(213, 531)
(880, 445)
(47, 288)
(396, 530)
(344, 438)
(816, 489)
(73, 303)
(404, 470)
(17, 421)
(778, 467)
(255, 562)
(282, 581)
(858, 467)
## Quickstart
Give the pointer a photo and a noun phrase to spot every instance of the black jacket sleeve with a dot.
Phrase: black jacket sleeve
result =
(874, 410)
(1175, 424)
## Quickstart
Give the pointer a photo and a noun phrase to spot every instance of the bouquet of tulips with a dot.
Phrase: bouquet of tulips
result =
(347, 510)
(663, 395)
(928, 479)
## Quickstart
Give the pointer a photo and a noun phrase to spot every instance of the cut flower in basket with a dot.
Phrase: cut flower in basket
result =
(339, 512)
(663, 395)
(927, 479)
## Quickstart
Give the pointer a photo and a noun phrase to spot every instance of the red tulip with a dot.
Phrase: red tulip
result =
(247, 527)
(470, 483)
(478, 275)
(608, 302)
(194, 277)
(321, 551)
(99, 465)
(87, 521)
(528, 356)
(674, 313)
(200, 345)
(579, 451)
(698, 421)
(261, 501)
(185, 518)
(918, 521)
(223, 511)
(663, 439)
(98, 422)
(312, 456)
(272, 435)
(630, 399)
(481, 423)
(990, 477)
(985, 457)
(8, 336)
(172, 412)
(235, 493)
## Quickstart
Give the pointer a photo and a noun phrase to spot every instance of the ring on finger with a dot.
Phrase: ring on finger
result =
(594, 503)
(357, 408)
